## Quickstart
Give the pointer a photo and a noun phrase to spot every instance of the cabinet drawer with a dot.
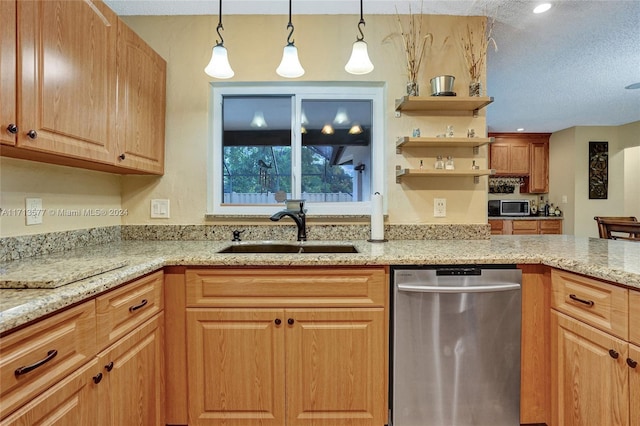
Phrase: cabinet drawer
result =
(286, 287)
(525, 226)
(67, 340)
(121, 310)
(551, 227)
(634, 316)
(496, 226)
(605, 306)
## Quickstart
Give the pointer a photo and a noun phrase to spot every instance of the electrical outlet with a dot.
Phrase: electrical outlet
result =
(33, 211)
(160, 209)
(439, 207)
(564, 199)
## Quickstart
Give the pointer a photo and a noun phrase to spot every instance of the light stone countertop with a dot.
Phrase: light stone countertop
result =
(614, 261)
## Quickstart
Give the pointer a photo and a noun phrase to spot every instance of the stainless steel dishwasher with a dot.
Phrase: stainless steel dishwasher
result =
(455, 346)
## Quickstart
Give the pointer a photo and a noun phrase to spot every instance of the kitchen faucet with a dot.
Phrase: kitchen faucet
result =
(299, 217)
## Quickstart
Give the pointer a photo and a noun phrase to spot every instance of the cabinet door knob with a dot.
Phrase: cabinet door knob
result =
(278, 321)
(632, 363)
(12, 128)
(121, 157)
(109, 366)
(613, 353)
(290, 321)
(97, 378)
(32, 134)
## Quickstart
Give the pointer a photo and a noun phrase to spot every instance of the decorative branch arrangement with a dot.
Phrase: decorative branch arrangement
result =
(414, 42)
(475, 54)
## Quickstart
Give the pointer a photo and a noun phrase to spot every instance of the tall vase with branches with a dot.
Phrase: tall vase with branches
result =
(475, 54)
(414, 45)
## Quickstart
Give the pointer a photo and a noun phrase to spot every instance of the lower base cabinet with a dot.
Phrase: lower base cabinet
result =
(289, 357)
(525, 227)
(72, 401)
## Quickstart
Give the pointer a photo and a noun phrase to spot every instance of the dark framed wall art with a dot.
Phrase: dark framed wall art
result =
(598, 170)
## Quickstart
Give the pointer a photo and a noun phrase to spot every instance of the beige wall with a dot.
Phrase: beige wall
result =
(569, 171)
(562, 175)
(324, 42)
(71, 198)
(255, 47)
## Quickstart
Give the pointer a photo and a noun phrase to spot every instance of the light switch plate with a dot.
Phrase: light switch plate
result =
(33, 211)
(439, 207)
(160, 209)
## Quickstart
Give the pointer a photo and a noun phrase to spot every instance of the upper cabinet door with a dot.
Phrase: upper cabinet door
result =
(8, 123)
(141, 104)
(67, 68)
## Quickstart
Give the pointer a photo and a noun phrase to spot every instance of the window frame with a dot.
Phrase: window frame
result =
(299, 91)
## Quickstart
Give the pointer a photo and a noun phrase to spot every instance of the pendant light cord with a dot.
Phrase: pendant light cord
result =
(290, 28)
(220, 27)
(361, 37)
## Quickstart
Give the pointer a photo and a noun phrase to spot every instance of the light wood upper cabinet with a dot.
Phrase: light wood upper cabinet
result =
(8, 118)
(79, 88)
(67, 66)
(141, 104)
(522, 154)
(509, 157)
(539, 169)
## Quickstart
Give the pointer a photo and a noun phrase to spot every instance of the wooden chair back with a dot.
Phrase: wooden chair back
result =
(618, 227)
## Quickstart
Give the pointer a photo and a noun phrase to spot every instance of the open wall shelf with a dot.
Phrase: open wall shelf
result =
(419, 173)
(410, 142)
(442, 103)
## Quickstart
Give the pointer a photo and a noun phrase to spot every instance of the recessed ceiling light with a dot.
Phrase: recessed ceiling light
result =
(633, 86)
(520, 129)
(541, 8)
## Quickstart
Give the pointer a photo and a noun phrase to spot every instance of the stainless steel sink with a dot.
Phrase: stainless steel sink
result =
(289, 248)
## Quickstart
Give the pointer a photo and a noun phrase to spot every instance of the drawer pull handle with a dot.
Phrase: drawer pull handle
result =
(24, 370)
(109, 366)
(577, 299)
(613, 354)
(138, 306)
(631, 363)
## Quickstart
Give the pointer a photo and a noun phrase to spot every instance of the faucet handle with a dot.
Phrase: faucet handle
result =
(236, 235)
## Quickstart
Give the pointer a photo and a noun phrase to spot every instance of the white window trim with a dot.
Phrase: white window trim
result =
(374, 91)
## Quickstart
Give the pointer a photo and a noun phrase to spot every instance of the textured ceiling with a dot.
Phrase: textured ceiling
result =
(567, 67)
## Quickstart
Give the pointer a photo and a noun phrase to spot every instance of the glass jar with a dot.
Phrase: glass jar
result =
(449, 164)
(439, 163)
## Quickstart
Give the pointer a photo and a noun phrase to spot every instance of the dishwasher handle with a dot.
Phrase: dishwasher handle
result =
(473, 289)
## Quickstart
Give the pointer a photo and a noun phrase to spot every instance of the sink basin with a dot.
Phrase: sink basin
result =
(300, 248)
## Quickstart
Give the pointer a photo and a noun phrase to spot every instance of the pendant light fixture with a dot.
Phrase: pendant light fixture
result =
(359, 62)
(290, 65)
(218, 66)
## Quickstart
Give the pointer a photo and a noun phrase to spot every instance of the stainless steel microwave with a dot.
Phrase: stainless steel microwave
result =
(508, 208)
(514, 207)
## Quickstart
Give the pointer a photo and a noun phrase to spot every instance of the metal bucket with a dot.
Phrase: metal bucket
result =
(442, 84)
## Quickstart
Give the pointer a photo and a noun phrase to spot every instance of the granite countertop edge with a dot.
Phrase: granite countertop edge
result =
(21, 306)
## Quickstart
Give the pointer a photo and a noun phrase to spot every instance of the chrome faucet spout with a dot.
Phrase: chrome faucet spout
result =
(299, 218)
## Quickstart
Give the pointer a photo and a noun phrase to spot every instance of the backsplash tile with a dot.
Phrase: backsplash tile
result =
(13, 248)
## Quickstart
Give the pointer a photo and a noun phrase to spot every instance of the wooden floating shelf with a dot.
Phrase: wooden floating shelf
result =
(410, 173)
(410, 142)
(442, 103)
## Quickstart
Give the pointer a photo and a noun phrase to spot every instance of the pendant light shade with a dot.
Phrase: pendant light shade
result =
(290, 65)
(359, 62)
(219, 66)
